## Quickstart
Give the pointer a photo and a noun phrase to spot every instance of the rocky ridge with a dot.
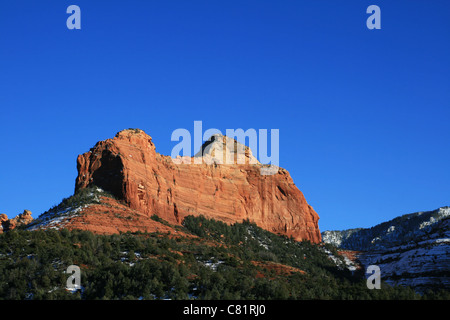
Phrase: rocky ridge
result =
(21, 219)
(412, 249)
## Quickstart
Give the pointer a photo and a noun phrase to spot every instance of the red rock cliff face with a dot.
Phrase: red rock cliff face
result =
(129, 167)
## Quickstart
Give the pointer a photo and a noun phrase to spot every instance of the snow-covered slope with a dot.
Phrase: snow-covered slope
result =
(408, 227)
(58, 216)
(412, 249)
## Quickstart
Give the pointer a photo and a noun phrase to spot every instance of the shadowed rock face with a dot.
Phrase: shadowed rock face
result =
(129, 167)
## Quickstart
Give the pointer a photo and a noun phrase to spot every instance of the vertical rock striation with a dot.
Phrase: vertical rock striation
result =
(129, 167)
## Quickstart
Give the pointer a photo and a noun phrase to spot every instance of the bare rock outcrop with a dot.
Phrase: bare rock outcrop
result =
(21, 219)
(129, 167)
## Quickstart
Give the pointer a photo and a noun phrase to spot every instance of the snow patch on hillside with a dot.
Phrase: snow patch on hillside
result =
(56, 220)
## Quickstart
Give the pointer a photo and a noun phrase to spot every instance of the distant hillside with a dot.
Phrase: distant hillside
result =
(400, 230)
(412, 250)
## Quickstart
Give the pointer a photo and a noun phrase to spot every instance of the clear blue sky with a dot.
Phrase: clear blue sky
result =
(363, 114)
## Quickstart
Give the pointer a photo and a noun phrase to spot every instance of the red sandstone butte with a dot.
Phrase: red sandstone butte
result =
(129, 167)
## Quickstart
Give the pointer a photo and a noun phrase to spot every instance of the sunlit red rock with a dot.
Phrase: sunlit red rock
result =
(21, 219)
(129, 167)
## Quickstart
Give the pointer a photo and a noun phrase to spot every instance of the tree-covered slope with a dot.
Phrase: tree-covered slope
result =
(211, 260)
